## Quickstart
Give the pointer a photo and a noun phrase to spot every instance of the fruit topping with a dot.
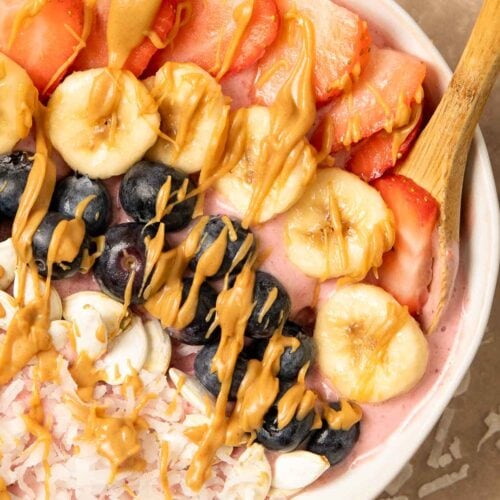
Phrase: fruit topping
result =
(44, 38)
(286, 438)
(342, 48)
(136, 52)
(74, 189)
(373, 156)
(271, 306)
(152, 191)
(406, 271)
(194, 118)
(62, 258)
(102, 121)
(292, 360)
(18, 99)
(222, 36)
(368, 345)
(14, 170)
(159, 348)
(238, 244)
(380, 99)
(334, 444)
(122, 262)
(208, 377)
(199, 331)
(341, 227)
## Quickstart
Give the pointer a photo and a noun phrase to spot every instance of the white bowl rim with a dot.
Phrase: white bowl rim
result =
(380, 470)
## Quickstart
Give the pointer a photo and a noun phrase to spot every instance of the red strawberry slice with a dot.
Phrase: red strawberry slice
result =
(380, 99)
(406, 271)
(44, 42)
(342, 47)
(207, 35)
(373, 156)
(95, 53)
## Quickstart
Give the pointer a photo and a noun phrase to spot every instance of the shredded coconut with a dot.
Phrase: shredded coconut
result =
(443, 482)
(493, 423)
(455, 448)
(464, 385)
(442, 431)
(398, 482)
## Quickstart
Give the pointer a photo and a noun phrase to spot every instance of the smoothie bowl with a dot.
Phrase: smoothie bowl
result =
(215, 284)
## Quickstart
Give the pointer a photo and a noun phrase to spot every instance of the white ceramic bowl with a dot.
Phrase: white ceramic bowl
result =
(479, 250)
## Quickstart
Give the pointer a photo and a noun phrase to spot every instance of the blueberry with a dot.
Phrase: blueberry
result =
(289, 437)
(196, 332)
(332, 443)
(72, 190)
(203, 370)
(276, 312)
(139, 191)
(235, 240)
(41, 242)
(124, 252)
(14, 170)
(291, 361)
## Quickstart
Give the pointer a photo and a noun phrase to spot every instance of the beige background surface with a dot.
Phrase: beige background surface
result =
(448, 23)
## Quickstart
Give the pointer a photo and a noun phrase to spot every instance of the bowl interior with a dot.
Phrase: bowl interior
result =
(469, 309)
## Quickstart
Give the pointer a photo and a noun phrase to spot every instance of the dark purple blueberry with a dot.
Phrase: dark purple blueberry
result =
(269, 312)
(236, 237)
(41, 242)
(334, 444)
(124, 252)
(72, 190)
(196, 332)
(291, 362)
(203, 370)
(289, 437)
(139, 191)
(14, 171)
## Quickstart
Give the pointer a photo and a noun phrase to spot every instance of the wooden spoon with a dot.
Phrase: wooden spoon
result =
(438, 160)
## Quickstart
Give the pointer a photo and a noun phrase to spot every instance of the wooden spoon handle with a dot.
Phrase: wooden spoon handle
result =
(451, 128)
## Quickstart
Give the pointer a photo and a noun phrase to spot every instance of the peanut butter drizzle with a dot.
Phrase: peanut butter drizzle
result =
(349, 414)
(242, 16)
(271, 298)
(129, 22)
(280, 64)
(183, 14)
(401, 134)
(234, 306)
(30, 9)
(164, 458)
(4, 493)
(85, 376)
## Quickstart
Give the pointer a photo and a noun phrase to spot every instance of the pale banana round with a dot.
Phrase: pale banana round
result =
(238, 185)
(18, 99)
(340, 227)
(369, 347)
(102, 144)
(194, 114)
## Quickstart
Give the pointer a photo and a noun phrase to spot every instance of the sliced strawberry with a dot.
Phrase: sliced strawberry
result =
(380, 99)
(373, 156)
(208, 33)
(406, 271)
(342, 47)
(45, 41)
(95, 53)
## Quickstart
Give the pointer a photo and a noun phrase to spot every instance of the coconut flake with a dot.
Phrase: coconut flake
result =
(398, 482)
(455, 448)
(493, 423)
(443, 482)
(464, 385)
(442, 432)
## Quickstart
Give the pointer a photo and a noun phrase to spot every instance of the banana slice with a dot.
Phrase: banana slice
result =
(8, 261)
(126, 354)
(369, 346)
(341, 227)
(18, 98)
(60, 331)
(192, 391)
(194, 115)
(91, 334)
(250, 477)
(109, 309)
(102, 121)
(34, 290)
(159, 348)
(8, 308)
(238, 185)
